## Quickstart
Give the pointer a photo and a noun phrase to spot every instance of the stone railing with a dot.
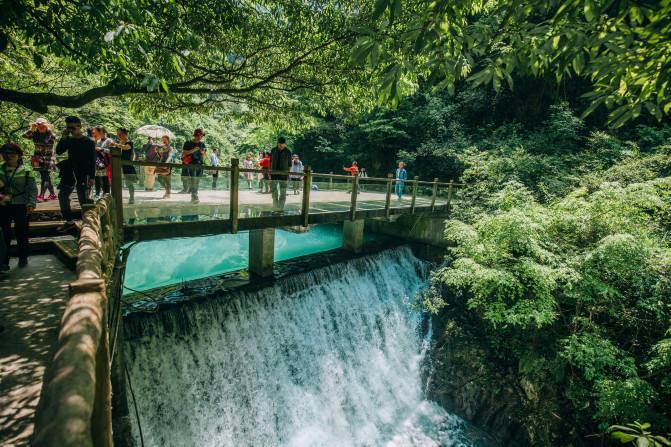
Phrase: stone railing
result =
(75, 406)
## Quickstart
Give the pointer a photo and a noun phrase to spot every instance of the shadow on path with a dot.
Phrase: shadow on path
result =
(32, 301)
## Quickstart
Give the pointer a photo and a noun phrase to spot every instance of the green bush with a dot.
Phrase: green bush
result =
(582, 284)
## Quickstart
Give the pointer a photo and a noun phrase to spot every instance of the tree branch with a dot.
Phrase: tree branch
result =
(40, 101)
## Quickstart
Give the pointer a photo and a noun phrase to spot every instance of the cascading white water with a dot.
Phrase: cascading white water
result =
(330, 357)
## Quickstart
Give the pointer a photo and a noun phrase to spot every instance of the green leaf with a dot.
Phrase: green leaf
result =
(590, 10)
(579, 62)
(592, 107)
(380, 6)
(622, 437)
(361, 50)
(497, 83)
(177, 64)
(662, 440)
(164, 86)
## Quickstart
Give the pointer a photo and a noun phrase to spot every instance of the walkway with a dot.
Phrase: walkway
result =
(30, 319)
(214, 204)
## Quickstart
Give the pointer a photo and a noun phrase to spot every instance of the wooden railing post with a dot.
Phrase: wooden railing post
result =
(433, 194)
(331, 181)
(101, 417)
(387, 202)
(355, 193)
(307, 187)
(117, 191)
(449, 196)
(414, 194)
(235, 180)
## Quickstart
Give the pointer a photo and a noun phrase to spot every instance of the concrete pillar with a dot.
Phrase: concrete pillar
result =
(262, 251)
(352, 235)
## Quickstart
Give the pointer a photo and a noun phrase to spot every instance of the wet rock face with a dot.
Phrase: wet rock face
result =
(491, 396)
(464, 385)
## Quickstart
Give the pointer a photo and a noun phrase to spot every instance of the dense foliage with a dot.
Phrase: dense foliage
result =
(561, 265)
(277, 56)
(622, 47)
(566, 291)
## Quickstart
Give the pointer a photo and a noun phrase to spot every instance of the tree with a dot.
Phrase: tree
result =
(621, 46)
(571, 297)
(272, 55)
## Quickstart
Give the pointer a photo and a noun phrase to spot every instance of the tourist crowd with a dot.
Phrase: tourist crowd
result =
(84, 168)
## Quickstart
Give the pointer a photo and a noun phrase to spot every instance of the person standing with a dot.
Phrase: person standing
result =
(353, 170)
(264, 181)
(128, 154)
(401, 176)
(362, 175)
(43, 159)
(214, 161)
(247, 163)
(18, 195)
(152, 154)
(193, 153)
(77, 171)
(163, 172)
(103, 144)
(280, 161)
(141, 154)
(296, 167)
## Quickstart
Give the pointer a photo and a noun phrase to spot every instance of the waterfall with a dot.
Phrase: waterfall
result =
(330, 357)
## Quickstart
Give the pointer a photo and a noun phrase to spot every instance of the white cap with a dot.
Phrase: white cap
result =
(41, 120)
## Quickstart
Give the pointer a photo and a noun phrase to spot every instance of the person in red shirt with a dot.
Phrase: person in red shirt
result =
(264, 163)
(353, 170)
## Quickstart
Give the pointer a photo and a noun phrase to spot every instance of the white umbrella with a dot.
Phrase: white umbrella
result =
(154, 131)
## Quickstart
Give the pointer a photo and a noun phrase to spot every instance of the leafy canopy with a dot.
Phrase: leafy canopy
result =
(272, 54)
(620, 46)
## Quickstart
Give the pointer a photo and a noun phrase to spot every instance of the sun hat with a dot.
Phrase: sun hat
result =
(41, 120)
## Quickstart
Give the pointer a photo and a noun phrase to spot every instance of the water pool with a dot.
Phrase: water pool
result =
(171, 261)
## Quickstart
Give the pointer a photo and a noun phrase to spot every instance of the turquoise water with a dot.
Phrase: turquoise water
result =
(165, 262)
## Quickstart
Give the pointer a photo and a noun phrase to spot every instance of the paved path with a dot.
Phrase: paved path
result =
(32, 301)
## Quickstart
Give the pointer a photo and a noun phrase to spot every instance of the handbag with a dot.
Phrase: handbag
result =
(35, 161)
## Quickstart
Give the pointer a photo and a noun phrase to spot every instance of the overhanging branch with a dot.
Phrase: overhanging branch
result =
(40, 101)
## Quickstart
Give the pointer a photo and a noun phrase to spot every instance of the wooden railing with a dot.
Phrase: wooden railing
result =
(75, 406)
